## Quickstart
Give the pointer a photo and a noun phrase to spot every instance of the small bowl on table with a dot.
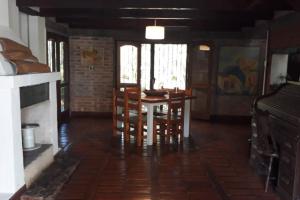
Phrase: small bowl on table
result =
(155, 93)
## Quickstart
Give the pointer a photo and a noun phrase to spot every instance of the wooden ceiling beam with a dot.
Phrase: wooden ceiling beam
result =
(141, 24)
(152, 14)
(295, 4)
(128, 4)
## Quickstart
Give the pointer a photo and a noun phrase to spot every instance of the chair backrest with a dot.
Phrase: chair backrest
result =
(176, 105)
(265, 139)
(133, 100)
(188, 92)
(133, 105)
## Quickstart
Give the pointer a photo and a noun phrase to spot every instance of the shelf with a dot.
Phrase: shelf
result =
(30, 156)
(7, 82)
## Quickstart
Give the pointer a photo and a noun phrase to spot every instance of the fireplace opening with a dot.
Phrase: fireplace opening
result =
(34, 94)
(36, 136)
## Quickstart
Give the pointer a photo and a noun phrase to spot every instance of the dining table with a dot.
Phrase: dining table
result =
(149, 102)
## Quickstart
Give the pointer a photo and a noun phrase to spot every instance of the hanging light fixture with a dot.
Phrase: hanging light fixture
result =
(155, 32)
(204, 47)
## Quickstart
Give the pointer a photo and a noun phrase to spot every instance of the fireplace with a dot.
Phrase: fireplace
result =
(15, 171)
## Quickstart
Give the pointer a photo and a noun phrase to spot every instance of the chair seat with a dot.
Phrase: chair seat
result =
(165, 118)
(136, 113)
(133, 118)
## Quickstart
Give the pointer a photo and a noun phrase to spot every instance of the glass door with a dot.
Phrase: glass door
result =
(57, 51)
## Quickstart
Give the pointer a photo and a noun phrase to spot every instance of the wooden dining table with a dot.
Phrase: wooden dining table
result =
(151, 101)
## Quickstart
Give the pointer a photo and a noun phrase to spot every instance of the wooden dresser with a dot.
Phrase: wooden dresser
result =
(283, 107)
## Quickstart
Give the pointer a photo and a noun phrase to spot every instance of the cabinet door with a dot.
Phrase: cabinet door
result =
(200, 81)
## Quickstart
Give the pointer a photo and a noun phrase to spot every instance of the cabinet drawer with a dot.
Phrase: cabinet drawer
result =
(286, 172)
(287, 161)
(286, 181)
(283, 128)
(258, 162)
(288, 145)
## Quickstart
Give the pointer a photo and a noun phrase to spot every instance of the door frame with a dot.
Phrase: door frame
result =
(65, 115)
(207, 87)
(118, 67)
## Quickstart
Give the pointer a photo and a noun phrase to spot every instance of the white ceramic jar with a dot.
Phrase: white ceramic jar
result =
(28, 136)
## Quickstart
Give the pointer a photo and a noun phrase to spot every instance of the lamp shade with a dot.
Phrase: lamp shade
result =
(155, 32)
(204, 47)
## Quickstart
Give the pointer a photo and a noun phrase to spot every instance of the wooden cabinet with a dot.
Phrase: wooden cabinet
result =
(286, 135)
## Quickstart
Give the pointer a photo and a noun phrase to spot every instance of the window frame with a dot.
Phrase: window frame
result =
(152, 57)
(118, 66)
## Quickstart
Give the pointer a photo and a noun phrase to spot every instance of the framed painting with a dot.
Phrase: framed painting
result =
(238, 70)
(92, 56)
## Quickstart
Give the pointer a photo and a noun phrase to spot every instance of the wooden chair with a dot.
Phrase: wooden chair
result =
(162, 110)
(171, 123)
(119, 122)
(127, 113)
(133, 107)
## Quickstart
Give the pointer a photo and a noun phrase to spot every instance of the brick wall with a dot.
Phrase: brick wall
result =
(91, 85)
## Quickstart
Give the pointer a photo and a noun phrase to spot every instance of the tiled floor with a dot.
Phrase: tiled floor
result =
(211, 165)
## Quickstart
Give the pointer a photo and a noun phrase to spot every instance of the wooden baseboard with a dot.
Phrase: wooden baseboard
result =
(91, 114)
(231, 119)
(18, 194)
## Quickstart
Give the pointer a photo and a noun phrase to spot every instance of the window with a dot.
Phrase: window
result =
(128, 64)
(145, 66)
(62, 61)
(50, 55)
(170, 65)
(159, 65)
(57, 48)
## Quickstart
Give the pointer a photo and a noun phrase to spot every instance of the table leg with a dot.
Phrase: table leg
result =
(119, 124)
(149, 124)
(187, 113)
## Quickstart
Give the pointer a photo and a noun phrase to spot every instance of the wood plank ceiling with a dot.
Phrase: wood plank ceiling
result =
(204, 15)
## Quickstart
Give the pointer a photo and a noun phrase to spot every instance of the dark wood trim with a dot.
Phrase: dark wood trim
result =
(152, 78)
(29, 11)
(152, 14)
(76, 114)
(127, 4)
(18, 194)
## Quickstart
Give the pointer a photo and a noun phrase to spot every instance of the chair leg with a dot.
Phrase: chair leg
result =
(154, 132)
(269, 174)
(127, 132)
(138, 136)
(181, 133)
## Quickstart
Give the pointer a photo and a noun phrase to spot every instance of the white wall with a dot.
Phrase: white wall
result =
(29, 30)
(4, 14)
(278, 68)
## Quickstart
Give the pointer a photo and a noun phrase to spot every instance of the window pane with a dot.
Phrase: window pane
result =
(145, 66)
(50, 55)
(61, 61)
(170, 65)
(62, 99)
(128, 64)
(55, 58)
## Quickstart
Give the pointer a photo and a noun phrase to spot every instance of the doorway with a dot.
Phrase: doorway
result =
(57, 58)
(200, 67)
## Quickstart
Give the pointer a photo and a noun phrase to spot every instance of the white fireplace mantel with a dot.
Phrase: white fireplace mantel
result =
(11, 153)
(7, 82)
